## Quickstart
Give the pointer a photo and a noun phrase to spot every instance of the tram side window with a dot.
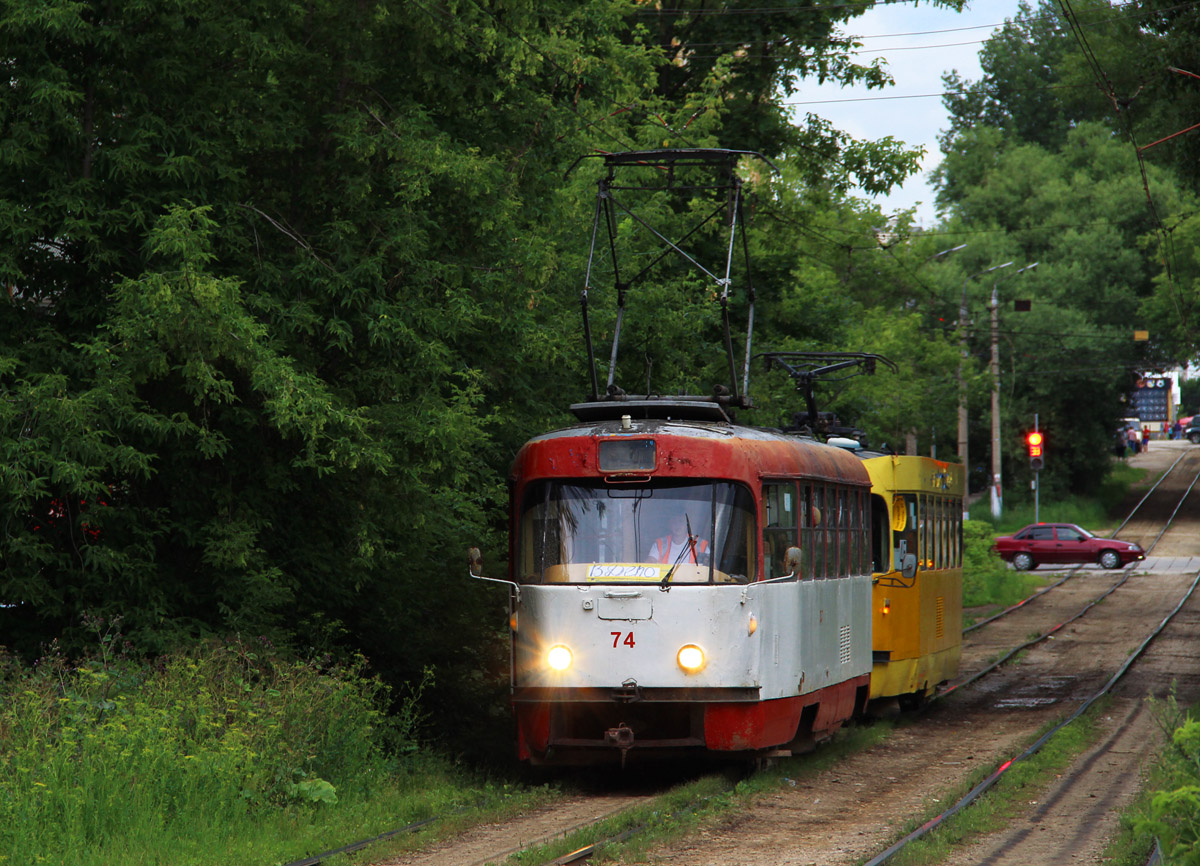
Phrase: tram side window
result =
(935, 525)
(806, 533)
(857, 548)
(881, 534)
(819, 525)
(866, 541)
(843, 532)
(947, 545)
(924, 536)
(905, 540)
(958, 534)
(780, 503)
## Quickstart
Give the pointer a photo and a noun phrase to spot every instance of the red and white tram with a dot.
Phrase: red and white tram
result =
(753, 633)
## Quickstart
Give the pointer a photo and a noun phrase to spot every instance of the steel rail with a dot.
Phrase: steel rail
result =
(363, 843)
(996, 774)
(1033, 641)
(1162, 478)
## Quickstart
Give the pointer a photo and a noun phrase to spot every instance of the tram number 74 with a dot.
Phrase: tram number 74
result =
(616, 636)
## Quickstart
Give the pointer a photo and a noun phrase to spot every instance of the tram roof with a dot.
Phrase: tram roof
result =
(733, 450)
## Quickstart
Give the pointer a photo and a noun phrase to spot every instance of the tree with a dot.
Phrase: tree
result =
(288, 285)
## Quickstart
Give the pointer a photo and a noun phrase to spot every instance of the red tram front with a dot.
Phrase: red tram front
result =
(685, 585)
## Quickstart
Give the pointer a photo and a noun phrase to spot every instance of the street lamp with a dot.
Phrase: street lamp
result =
(962, 383)
(944, 253)
(997, 491)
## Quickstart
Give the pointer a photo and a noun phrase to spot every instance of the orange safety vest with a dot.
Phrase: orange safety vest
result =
(664, 548)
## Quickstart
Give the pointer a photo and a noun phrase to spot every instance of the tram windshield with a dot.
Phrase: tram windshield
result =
(588, 531)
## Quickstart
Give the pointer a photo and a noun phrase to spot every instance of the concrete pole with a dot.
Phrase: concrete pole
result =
(963, 432)
(997, 451)
(997, 489)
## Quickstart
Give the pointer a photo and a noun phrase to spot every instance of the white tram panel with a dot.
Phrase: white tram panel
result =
(608, 651)
(806, 635)
(814, 633)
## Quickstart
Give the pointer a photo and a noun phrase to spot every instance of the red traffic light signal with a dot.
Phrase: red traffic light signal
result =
(1034, 442)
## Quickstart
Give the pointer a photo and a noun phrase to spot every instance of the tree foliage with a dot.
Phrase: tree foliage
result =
(287, 285)
(1041, 165)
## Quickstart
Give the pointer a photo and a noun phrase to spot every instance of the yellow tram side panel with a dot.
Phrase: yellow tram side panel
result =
(917, 624)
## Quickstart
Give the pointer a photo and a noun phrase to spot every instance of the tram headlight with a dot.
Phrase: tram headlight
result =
(690, 658)
(559, 657)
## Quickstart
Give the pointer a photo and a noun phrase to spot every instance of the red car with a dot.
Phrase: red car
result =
(1054, 543)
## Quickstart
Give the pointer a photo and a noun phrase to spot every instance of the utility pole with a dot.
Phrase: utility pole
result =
(963, 451)
(997, 489)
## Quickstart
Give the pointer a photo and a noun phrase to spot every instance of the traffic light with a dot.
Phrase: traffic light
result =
(1033, 440)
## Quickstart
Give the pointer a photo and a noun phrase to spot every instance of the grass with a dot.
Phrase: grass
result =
(1098, 513)
(223, 754)
(988, 582)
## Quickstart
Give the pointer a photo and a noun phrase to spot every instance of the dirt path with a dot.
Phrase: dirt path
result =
(491, 843)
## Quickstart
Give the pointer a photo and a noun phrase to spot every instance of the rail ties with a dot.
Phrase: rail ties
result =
(994, 777)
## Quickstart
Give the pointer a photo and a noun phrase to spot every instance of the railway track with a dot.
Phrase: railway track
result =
(850, 813)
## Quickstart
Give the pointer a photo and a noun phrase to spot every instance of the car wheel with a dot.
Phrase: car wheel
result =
(1110, 559)
(1023, 562)
(1194, 438)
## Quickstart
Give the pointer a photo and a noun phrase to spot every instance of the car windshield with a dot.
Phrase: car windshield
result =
(588, 531)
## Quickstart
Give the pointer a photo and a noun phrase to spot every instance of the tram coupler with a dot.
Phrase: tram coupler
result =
(622, 738)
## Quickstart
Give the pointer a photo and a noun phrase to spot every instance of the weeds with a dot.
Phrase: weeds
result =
(1172, 813)
(214, 755)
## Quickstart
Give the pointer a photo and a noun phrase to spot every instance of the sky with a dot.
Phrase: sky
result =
(919, 42)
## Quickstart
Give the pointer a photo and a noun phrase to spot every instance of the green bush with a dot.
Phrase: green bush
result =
(101, 755)
(987, 579)
(1174, 811)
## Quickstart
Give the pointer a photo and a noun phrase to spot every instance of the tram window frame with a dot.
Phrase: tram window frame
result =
(881, 534)
(842, 528)
(820, 557)
(782, 533)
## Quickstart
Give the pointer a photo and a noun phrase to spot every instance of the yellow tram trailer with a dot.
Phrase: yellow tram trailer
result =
(917, 610)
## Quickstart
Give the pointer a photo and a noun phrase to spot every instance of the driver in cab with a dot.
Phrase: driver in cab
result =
(677, 545)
